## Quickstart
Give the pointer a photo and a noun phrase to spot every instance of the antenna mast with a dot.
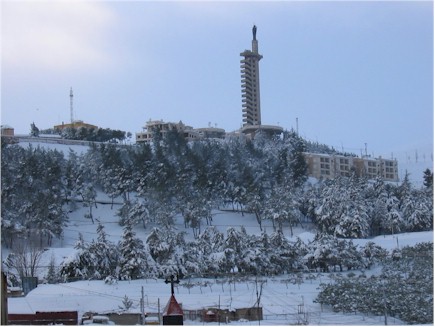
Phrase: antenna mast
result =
(71, 106)
(297, 126)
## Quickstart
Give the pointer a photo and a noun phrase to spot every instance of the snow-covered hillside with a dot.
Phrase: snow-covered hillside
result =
(286, 299)
(280, 298)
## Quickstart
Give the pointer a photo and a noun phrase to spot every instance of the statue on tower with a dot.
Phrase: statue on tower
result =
(254, 32)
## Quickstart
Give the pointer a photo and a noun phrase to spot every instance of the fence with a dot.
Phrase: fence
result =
(224, 315)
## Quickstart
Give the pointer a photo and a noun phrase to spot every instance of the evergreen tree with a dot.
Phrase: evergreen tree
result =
(428, 179)
(53, 276)
(80, 265)
(159, 244)
(133, 261)
(105, 254)
(298, 164)
(393, 221)
(372, 254)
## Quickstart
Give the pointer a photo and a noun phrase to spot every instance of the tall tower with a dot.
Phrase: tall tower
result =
(251, 83)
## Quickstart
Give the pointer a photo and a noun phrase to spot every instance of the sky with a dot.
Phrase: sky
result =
(353, 74)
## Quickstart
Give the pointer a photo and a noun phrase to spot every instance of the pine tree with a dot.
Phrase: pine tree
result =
(80, 264)
(53, 275)
(428, 179)
(133, 257)
(105, 254)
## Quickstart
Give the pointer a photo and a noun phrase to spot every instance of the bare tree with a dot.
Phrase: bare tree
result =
(24, 260)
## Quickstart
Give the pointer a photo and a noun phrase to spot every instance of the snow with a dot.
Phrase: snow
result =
(281, 299)
(78, 149)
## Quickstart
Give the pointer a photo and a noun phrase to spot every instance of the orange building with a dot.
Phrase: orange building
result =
(75, 124)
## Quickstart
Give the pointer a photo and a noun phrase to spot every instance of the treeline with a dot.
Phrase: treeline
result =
(158, 181)
(166, 252)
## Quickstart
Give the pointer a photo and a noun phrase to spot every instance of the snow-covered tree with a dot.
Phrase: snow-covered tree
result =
(417, 211)
(428, 179)
(79, 265)
(53, 274)
(160, 245)
(133, 261)
(372, 254)
(210, 243)
(105, 254)
(89, 195)
(404, 289)
(393, 220)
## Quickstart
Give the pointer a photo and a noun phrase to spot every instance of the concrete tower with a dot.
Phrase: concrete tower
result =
(251, 83)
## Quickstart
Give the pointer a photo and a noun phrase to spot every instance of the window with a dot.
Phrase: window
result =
(324, 172)
(344, 161)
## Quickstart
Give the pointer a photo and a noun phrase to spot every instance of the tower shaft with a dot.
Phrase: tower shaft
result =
(250, 74)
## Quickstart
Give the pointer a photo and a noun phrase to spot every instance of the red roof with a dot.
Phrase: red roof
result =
(172, 308)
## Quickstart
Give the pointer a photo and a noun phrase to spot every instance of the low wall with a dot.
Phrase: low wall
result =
(44, 318)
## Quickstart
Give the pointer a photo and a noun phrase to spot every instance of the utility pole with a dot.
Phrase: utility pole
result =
(297, 126)
(71, 106)
(142, 307)
(219, 311)
(158, 311)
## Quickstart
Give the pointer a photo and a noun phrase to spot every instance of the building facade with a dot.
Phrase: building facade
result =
(324, 166)
(76, 124)
(188, 132)
(161, 127)
(7, 130)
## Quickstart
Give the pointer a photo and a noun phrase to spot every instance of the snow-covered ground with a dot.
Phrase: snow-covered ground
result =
(280, 296)
(284, 302)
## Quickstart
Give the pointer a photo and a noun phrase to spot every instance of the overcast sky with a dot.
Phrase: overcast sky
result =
(351, 72)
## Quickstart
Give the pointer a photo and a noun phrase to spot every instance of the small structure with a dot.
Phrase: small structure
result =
(173, 313)
(7, 130)
(8, 134)
(210, 316)
(98, 320)
(29, 284)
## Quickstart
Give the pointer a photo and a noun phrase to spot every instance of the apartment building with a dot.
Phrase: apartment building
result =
(332, 166)
(153, 126)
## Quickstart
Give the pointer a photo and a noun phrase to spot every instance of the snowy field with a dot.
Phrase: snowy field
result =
(281, 296)
(284, 301)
